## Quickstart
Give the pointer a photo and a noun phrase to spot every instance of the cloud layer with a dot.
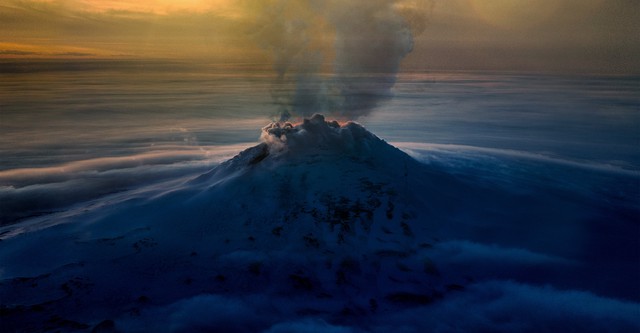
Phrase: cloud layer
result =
(494, 306)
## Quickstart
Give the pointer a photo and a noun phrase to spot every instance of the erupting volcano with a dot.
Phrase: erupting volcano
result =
(430, 166)
(321, 227)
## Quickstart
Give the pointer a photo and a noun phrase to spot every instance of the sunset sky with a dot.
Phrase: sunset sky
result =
(535, 35)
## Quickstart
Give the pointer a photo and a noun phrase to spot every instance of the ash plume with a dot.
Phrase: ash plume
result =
(335, 57)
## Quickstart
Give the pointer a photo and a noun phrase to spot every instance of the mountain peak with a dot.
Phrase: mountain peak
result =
(316, 140)
(317, 134)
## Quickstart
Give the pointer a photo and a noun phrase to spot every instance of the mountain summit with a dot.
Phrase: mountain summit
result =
(326, 184)
(317, 140)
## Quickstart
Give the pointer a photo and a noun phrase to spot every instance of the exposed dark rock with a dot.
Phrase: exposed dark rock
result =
(301, 282)
(408, 298)
(59, 323)
(105, 326)
(454, 287)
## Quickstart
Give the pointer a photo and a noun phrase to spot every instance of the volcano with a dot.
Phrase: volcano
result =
(322, 227)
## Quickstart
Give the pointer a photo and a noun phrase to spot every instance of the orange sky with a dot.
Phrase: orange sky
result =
(545, 35)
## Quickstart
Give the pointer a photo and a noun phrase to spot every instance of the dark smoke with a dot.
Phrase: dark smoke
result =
(371, 41)
(360, 44)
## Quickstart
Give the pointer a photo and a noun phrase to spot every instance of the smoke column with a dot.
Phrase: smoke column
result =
(369, 47)
(336, 57)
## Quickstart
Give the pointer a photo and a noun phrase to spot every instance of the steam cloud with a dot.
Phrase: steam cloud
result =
(359, 43)
(316, 132)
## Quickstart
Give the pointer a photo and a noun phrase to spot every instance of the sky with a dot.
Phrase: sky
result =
(587, 36)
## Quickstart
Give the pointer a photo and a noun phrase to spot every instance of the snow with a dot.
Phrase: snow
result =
(321, 227)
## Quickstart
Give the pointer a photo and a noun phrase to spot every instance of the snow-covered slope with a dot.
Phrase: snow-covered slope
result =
(322, 227)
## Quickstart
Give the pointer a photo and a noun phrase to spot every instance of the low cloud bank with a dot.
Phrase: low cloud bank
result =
(505, 306)
(605, 184)
(489, 306)
(33, 192)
